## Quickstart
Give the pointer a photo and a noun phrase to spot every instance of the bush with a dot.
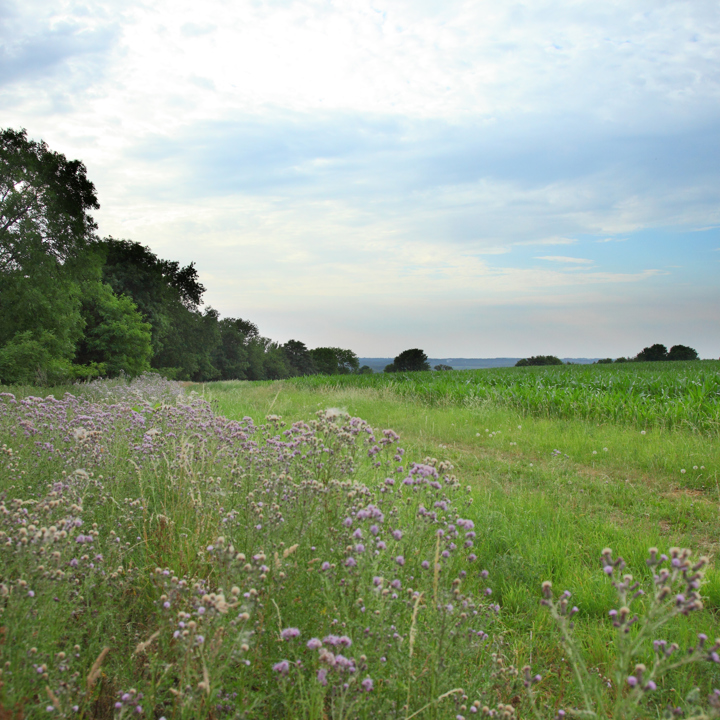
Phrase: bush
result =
(539, 360)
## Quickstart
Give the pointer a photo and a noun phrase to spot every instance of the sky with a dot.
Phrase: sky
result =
(477, 179)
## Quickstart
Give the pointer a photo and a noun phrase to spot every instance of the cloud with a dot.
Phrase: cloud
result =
(563, 259)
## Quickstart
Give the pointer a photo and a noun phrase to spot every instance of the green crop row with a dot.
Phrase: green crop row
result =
(669, 395)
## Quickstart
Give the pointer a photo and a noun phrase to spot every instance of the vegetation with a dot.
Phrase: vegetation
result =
(413, 360)
(73, 306)
(254, 568)
(647, 395)
(539, 360)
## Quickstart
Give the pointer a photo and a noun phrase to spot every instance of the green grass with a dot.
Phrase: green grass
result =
(546, 495)
(544, 516)
(662, 394)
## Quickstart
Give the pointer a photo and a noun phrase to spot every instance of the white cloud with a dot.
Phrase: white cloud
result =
(399, 153)
(564, 259)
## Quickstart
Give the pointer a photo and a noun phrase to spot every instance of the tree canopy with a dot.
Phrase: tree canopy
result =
(413, 360)
(539, 360)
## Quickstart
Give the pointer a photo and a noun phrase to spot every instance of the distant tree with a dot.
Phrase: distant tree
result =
(413, 360)
(390, 368)
(299, 358)
(276, 363)
(682, 352)
(539, 360)
(442, 367)
(653, 353)
(621, 360)
(230, 356)
(604, 361)
(335, 361)
(365, 370)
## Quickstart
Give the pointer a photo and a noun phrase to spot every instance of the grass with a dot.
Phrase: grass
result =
(205, 543)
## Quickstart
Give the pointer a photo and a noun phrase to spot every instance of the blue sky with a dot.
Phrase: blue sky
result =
(480, 178)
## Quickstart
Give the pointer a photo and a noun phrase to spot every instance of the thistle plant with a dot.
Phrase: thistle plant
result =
(641, 613)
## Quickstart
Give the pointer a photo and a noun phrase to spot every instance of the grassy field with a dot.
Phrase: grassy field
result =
(667, 395)
(318, 566)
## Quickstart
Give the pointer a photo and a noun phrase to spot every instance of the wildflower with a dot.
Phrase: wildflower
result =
(367, 684)
(325, 566)
(350, 562)
(283, 667)
(314, 644)
(397, 534)
(682, 472)
(322, 676)
(400, 560)
(632, 681)
(289, 633)
(374, 529)
(425, 564)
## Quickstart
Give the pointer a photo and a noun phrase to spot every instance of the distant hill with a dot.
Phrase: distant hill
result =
(378, 364)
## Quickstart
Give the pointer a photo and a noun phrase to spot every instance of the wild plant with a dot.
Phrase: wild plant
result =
(642, 611)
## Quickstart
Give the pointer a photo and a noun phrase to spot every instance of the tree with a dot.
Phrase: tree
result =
(413, 360)
(539, 360)
(46, 252)
(654, 353)
(230, 356)
(390, 368)
(299, 358)
(45, 201)
(682, 352)
(335, 361)
(442, 368)
(365, 370)
(115, 339)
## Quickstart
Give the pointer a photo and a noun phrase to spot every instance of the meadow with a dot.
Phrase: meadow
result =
(363, 547)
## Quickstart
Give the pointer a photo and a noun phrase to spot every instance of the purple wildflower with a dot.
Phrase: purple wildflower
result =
(283, 667)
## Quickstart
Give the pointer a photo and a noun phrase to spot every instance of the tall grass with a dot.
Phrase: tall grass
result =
(158, 559)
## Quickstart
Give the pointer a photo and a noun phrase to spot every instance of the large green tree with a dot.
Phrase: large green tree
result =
(46, 252)
(115, 338)
(167, 295)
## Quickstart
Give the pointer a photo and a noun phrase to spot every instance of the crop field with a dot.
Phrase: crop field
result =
(662, 394)
(362, 547)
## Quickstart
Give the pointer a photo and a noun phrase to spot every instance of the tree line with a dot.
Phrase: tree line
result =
(74, 306)
(654, 353)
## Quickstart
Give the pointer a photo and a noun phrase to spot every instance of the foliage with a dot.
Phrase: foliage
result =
(46, 237)
(115, 336)
(682, 352)
(539, 360)
(270, 579)
(442, 367)
(638, 617)
(45, 201)
(335, 361)
(299, 358)
(654, 353)
(670, 395)
(413, 360)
